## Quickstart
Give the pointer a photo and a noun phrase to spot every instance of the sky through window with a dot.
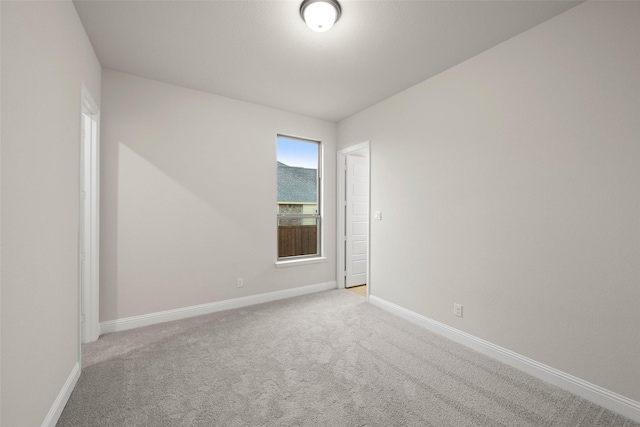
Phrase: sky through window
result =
(294, 152)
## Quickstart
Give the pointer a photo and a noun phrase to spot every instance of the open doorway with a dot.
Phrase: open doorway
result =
(353, 218)
(88, 233)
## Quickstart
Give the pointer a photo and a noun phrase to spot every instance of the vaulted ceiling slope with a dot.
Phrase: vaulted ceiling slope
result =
(262, 52)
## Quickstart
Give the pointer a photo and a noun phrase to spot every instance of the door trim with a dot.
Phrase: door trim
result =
(341, 228)
(89, 330)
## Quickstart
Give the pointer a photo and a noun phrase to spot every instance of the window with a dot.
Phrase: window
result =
(299, 219)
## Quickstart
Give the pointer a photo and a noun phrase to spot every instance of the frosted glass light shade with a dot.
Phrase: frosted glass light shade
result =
(320, 15)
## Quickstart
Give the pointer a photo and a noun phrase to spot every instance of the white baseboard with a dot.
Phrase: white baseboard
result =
(58, 405)
(198, 310)
(596, 394)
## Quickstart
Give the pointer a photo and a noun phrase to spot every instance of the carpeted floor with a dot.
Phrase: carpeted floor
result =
(328, 359)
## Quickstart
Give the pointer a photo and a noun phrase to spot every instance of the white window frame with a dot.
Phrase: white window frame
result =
(318, 256)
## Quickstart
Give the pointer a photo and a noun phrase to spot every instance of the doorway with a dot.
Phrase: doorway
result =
(353, 218)
(88, 233)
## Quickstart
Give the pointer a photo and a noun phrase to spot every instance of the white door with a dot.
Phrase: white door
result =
(357, 220)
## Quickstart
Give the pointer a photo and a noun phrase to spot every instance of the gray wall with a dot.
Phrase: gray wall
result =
(509, 184)
(188, 197)
(45, 57)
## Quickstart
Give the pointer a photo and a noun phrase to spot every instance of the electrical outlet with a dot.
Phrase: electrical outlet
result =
(457, 310)
(240, 282)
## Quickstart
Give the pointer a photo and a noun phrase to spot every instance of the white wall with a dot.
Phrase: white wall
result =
(188, 197)
(45, 57)
(509, 184)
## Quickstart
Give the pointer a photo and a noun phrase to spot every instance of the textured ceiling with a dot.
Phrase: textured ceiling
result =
(262, 52)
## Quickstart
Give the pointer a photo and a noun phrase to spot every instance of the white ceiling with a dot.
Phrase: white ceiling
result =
(262, 52)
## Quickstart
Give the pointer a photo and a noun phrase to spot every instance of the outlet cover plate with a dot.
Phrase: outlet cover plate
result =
(457, 310)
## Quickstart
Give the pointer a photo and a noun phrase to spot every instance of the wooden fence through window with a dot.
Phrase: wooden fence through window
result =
(294, 240)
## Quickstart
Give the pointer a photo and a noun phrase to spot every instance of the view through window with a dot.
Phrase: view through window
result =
(298, 198)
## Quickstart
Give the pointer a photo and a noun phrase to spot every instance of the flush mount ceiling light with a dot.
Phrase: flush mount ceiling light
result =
(320, 15)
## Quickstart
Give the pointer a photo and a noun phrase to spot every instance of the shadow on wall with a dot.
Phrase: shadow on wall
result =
(160, 222)
(188, 198)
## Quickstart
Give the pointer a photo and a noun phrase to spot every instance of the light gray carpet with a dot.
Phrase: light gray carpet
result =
(327, 359)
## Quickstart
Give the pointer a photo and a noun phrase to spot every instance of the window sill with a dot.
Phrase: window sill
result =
(297, 262)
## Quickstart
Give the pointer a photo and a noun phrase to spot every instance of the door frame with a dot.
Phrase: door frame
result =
(89, 329)
(341, 228)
